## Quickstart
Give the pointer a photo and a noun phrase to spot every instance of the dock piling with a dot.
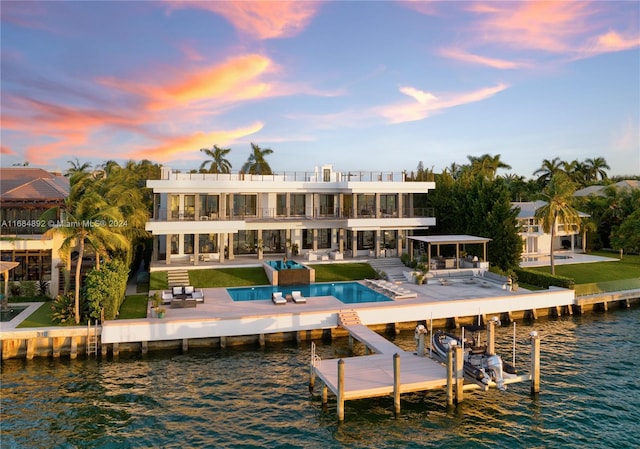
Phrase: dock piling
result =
(396, 383)
(459, 374)
(450, 376)
(340, 395)
(535, 362)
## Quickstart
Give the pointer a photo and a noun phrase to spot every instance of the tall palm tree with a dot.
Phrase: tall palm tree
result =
(77, 167)
(596, 167)
(558, 209)
(487, 165)
(218, 163)
(256, 163)
(85, 223)
(548, 169)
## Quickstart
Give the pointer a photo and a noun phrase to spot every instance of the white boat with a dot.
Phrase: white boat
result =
(478, 365)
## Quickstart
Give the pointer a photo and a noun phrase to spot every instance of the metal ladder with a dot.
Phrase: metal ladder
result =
(92, 338)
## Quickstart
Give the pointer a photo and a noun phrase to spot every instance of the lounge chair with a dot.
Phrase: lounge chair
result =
(297, 297)
(278, 299)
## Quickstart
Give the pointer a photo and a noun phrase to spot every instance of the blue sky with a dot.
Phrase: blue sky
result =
(361, 85)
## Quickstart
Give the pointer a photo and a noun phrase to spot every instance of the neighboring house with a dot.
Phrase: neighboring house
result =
(25, 194)
(201, 217)
(599, 190)
(536, 241)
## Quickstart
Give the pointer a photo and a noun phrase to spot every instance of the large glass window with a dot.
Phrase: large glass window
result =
(208, 243)
(209, 206)
(388, 205)
(34, 265)
(389, 239)
(174, 206)
(298, 204)
(189, 207)
(188, 243)
(174, 243)
(326, 205)
(281, 204)
(366, 204)
(366, 239)
(307, 239)
(244, 205)
(324, 238)
(245, 242)
(273, 241)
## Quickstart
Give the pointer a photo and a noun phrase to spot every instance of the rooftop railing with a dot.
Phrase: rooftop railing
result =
(314, 177)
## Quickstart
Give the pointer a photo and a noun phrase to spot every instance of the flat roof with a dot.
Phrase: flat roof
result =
(449, 239)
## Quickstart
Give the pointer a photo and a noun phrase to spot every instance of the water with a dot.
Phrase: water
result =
(254, 398)
(347, 292)
(285, 265)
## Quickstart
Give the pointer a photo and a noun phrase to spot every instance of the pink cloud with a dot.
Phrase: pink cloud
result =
(426, 104)
(175, 146)
(260, 19)
(464, 56)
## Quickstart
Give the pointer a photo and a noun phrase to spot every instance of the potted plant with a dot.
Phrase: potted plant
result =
(161, 311)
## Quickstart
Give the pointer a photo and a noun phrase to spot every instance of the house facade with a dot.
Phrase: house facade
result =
(536, 241)
(25, 194)
(323, 214)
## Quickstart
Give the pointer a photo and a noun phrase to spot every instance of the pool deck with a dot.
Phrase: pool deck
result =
(220, 316)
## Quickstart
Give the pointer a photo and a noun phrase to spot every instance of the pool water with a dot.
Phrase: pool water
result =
(347, 292)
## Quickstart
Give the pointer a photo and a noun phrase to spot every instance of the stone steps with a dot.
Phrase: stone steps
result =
(176, 278)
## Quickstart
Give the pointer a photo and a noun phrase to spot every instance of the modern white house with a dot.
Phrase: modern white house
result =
(323, 214)
(536, 241)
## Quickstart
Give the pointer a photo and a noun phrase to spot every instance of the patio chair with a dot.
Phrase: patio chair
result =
(278, 299)
(297, 297)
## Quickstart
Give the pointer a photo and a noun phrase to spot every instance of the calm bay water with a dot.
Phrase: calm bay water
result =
(258, 397)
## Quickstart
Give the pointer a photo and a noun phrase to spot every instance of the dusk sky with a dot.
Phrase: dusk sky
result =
(360, 85)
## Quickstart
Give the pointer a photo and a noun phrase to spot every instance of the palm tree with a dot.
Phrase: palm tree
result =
(548, 169)
(558, 210)
(596, 167)
(256, 163)
(85, 222)
(218, 163)
(77, 167)
(487, 165)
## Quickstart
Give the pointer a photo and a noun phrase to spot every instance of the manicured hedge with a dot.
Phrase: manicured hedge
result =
(543, 280)
(105, 289)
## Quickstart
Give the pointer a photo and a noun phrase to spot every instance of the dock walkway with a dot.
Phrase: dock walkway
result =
(373, 375)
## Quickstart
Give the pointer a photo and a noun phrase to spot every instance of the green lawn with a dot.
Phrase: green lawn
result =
(134, 306)
(228, 277)
(601, 276)
(158, 280)
(39, 318)
(586, 273)
(337, 272)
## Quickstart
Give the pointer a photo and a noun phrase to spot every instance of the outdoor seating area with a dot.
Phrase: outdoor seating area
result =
(390, 289)
(296, 296)
(182, 296)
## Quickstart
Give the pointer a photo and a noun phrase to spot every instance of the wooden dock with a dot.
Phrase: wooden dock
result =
(392, 371)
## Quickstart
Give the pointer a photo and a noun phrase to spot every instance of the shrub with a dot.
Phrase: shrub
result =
(105, 289)
(63, 309)
(43, 288)
(15, 289)
(28, 288)
(543, 280)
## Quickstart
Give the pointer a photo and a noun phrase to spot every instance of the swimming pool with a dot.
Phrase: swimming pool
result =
(347, 292)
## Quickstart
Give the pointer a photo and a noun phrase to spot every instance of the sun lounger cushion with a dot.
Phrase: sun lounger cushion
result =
(297, 297)
(277, 298)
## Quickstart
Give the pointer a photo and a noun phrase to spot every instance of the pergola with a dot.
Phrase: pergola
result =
(5, 267)
(457, 240)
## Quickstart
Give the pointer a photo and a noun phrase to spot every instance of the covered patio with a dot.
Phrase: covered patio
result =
(451, 251)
